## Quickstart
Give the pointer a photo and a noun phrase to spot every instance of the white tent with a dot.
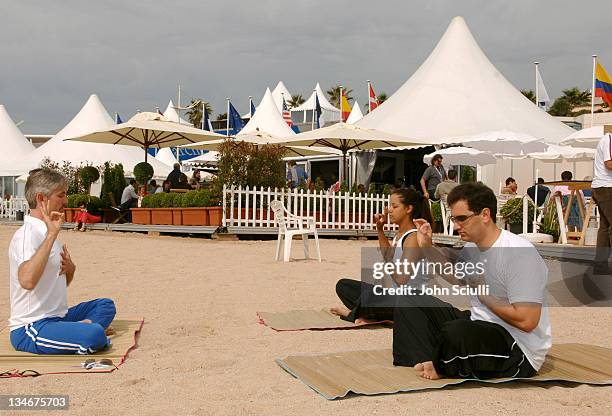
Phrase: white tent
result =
(208, 158)
(171, 114)
(355, 115)
(278, 93)
(462, 156)
(456, 92)
(166, 155)
(556, 153)
(93, 116)
(329, 113)
(589, 137)
(13, 143)
(267, 119)
(501, 142)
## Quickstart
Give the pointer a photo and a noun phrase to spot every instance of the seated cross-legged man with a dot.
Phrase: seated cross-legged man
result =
(506, 332)
(41, 270)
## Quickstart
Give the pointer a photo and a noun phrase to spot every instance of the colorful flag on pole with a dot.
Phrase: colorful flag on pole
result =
(206, 124)
(346, 107)
(373, 99)
(118, 119)
(252, 108)
(543, 98)
(287, 114)
(603, 84)
(235, 119)
(318, 110)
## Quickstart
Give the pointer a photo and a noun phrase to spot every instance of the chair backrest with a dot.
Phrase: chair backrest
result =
(279, 214)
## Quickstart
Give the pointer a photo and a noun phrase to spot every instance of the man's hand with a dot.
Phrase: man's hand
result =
(53, 220)
(381, 219)
(424, 233)
(426, 194)
(67, 266)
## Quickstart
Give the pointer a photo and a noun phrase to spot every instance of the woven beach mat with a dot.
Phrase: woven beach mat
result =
(310, 319)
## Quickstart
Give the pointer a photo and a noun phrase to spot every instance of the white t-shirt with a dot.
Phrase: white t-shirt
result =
(515, 272)
(420, 278)
(602, 177)
(50, 296)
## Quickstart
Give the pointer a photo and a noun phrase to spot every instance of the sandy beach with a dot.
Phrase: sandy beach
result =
(203, 352)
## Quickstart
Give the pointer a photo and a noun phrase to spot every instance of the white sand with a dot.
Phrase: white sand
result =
(203, 352)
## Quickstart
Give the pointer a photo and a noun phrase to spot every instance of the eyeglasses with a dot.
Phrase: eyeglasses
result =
(460, 219)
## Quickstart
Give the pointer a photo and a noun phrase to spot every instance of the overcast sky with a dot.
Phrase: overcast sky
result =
(133, 54)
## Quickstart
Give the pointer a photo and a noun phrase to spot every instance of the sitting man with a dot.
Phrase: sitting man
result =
(506, 332)
(40, 271)
(543, 192)
(447, 185)
(511, 187)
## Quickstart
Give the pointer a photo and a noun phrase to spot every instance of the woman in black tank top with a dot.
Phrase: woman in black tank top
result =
(360, 305)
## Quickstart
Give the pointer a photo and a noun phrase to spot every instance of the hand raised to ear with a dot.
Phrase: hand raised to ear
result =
(53, 220)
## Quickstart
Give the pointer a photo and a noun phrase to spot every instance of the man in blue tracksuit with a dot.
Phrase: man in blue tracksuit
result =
(41, 270)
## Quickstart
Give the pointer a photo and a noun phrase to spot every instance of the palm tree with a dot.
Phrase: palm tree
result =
(296, 101)
(194, 115)
(382, 97)
(334, 94)
(529, 94)
(576, 97)
(222, 116)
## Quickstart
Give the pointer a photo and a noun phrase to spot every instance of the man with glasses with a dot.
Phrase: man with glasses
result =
(506, 332)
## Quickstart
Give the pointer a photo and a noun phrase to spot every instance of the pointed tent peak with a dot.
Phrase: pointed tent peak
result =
(166, 156)
(279, 91)
(477, 97)
(172, 115)
(267, 118)
(92, 116)
(14, 144)
(310, 103)
(355, 115)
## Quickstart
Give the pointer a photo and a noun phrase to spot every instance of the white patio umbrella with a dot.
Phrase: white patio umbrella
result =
(149, 130)
(500, 142)
(345, 137)
(261, 138)
(589, 137)
(462, 156)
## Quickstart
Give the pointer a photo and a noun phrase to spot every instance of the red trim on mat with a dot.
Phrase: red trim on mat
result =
(263, 322)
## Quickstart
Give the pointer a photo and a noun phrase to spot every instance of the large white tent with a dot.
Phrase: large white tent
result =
(267, 119)
(457, 92)
(355, 115)
(304, 112)
(278, 93)
(92, 117)
(13, 143)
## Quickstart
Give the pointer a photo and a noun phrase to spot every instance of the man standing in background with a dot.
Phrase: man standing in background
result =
(602, 194)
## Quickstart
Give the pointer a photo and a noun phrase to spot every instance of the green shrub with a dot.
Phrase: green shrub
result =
(436, 211)
(512, 211)
(113, 183)
(88, 175)
(197, 198)
(387, 189)
(92, 203)
(143, 171)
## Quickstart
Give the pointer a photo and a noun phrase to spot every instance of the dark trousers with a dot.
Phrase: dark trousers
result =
(131, 203)
(603, 197)
(426, 328)
(356, 296)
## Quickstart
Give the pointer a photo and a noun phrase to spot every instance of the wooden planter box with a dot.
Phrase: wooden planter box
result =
(215, 215)
(177, 216)
(161, 216)
(141, 215)
(195, 216)
(69, 214)
(109, 215)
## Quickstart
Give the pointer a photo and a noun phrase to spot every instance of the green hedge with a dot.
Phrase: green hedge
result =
(90, 202)
(196, 198)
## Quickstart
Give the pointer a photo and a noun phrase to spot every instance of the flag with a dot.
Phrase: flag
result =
(235, 119)
(543, 98)
(118, 119)
(206, 124)
(252, 108)
(346, 107)
(373, 99)
(287, 114)
(603, 84)
(158, 112)
(318, 110)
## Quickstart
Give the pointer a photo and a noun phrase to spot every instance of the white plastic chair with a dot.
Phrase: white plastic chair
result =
(290, 225)
(447, 223)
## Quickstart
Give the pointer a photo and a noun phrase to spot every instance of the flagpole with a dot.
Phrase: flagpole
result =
(593, 92)
(227, 121)
(250, 107)
(537, 92)
(341, 116)
(203, 113)
(369, 99)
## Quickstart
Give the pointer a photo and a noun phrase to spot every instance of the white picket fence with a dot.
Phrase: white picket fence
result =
(250, 207)
(9, 208)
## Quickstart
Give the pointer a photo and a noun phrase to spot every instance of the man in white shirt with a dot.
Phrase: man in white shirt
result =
(602, 194)
(41, 269)
(506, 332)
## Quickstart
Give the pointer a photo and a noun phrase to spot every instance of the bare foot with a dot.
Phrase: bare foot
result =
(109, 331)
(429, 371)
(419, 368)
(341, 311)
(361, 321)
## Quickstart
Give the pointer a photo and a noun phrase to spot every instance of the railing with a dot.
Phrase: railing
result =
(250, 207)
(9, 208)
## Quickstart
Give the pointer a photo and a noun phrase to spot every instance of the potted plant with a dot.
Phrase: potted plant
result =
(76, 201)
(550, 221)
(436, 214)
(194, 207)
(143, 172)
(512, 213)
(161, 214)
(175, 201)
(88, 175)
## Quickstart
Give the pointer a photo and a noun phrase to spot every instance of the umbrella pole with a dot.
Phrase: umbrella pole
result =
(344, 167)
(146, 152)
